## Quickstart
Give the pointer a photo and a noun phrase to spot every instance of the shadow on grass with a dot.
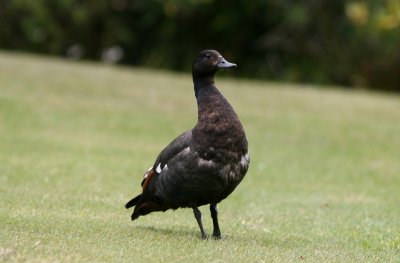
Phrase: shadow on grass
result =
(167, 231)
(185, 232)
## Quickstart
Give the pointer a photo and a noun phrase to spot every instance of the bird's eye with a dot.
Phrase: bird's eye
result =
(208, 56)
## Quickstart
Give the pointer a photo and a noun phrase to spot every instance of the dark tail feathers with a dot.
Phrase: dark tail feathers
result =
(133, 202)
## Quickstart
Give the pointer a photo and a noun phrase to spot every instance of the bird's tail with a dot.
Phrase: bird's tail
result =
(133, 202)
(143, 208)
(145, 203)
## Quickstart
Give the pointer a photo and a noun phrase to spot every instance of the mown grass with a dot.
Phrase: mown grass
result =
(75, 139)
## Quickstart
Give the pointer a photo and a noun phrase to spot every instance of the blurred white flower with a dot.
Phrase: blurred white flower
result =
(112, 54)
(75, 52)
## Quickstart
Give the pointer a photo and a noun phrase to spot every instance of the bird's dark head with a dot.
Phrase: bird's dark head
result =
(208, 62)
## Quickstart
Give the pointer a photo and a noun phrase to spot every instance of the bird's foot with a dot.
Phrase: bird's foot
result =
(204, 236)
(216, 236)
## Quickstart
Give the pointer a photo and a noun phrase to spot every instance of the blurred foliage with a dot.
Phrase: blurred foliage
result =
(355, 43)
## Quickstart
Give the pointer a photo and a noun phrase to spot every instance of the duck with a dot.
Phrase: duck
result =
(201, 166)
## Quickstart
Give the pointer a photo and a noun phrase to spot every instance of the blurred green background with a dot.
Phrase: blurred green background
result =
(348, 43)
(75, 138)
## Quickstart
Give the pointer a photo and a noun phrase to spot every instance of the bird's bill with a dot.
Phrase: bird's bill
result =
(222, 63)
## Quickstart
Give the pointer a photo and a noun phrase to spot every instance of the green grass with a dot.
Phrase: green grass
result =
(75, 139)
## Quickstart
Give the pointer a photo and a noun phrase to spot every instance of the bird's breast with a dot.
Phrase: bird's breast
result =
(230, 173)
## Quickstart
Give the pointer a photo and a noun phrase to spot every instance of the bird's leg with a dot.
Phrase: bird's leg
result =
(197, 215)
(214, 216)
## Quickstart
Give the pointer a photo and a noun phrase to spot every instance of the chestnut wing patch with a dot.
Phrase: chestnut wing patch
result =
(147, 179)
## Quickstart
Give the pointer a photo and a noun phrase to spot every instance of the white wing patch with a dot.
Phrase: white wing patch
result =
(159, 168)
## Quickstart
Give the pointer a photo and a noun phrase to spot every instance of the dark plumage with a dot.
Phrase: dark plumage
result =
(203, 165)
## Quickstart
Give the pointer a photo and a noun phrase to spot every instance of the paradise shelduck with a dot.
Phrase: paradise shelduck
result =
(203, 165)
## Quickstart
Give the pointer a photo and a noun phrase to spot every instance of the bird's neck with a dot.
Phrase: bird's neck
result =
(202, 82)
(213, 108)
(218, 127)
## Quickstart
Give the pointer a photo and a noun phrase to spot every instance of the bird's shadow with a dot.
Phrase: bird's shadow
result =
(167, 230)
(173, 232)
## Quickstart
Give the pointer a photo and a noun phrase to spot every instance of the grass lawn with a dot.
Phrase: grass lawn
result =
(75, 139)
